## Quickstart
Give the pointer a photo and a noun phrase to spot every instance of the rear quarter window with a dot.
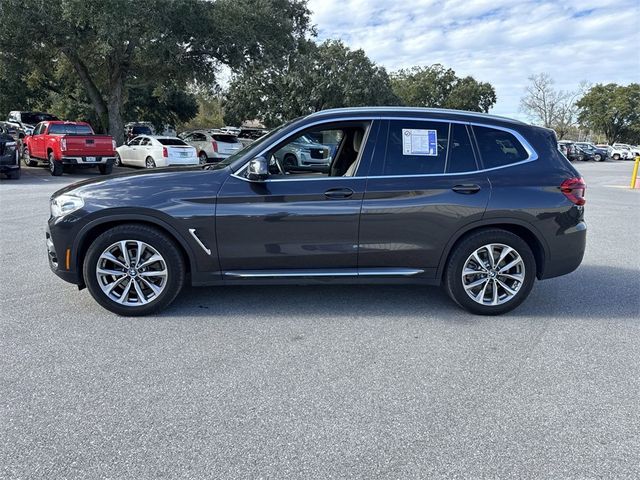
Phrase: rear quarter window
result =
(498, 147)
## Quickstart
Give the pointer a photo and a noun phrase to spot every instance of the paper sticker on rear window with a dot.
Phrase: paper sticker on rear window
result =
(419, 142)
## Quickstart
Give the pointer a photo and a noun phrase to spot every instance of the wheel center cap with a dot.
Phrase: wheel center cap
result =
(492, 274)
(133, 272)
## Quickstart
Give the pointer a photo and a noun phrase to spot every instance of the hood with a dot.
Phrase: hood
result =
(148, 187)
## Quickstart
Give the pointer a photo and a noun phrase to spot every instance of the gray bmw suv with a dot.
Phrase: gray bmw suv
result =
(479, 204)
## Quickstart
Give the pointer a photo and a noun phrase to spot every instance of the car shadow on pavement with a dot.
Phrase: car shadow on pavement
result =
(591, 292)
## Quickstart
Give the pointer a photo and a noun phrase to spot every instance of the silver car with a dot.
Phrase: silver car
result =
(213, 145)
(304, 152)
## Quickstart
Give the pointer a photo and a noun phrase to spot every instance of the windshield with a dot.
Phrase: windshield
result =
(33, 118)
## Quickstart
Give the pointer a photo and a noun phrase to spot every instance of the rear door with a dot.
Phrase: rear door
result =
(423, 186)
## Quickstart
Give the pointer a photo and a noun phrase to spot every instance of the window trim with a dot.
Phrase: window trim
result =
(533, 155)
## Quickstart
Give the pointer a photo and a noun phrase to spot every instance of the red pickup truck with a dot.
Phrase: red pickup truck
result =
(68, 143)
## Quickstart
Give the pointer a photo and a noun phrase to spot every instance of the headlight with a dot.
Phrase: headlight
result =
(65, 204)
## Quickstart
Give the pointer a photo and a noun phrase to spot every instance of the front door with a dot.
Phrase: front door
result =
(303, 220)
(36, 143)
(421, 190)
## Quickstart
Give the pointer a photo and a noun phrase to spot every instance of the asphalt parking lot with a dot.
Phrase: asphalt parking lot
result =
(322, 382)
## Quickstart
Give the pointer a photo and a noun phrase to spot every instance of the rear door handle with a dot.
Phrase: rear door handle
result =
(338, 193)
(466, 188)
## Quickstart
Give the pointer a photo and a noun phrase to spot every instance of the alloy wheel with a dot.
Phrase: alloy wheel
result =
(132, 273)
(493, 274)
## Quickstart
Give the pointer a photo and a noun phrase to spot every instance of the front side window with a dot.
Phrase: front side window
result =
(415, 148)
(325, 151)
(498, 147)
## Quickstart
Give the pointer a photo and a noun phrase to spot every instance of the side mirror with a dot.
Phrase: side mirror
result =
(258, 170)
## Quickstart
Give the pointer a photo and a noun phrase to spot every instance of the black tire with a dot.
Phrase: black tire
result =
(56, 168)
(106, 169)
(118, 162)
(149, 163)
(153, 237)
(598, 158)
(203, 158)
(26, 158)
(289, 161)
(14, 174)
(616, 156)
(465, 248)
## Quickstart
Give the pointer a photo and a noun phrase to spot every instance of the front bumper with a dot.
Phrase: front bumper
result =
(60, 260)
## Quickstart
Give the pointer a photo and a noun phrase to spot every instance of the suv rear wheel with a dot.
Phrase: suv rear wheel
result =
(490, 272)
(134, 270)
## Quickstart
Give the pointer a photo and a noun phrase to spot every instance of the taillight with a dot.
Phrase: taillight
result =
(165, 152)
(574, 189)
(215, 146)
(63, 144)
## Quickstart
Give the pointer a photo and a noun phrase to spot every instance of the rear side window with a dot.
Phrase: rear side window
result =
(415, 148)
(171, 141)
(498, 147)
(461, 157)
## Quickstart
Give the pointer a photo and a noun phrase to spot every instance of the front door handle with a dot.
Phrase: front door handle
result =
(467, 188)
(338, 193)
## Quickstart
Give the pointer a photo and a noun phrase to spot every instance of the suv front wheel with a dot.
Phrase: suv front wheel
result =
(134, 270)
(490, 272)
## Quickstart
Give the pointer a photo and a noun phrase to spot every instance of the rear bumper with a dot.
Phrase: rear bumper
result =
(86, 160)
(566, 252)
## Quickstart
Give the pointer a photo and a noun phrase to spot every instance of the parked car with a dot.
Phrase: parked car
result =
(11, 130)
(132, 130)
(625, 151)
(25, 122)
(154, 151)
(231, 130)
(573, 152)
(597, 154)
(9, 156)
(212, 145)
(58, 143)
(408, 198)
(304, 152)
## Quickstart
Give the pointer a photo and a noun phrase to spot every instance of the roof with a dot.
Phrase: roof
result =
(411, 111)
(64, 122)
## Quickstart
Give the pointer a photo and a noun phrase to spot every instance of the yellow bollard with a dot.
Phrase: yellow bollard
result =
(634, 176)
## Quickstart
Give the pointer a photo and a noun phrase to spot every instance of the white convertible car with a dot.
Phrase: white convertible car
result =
(155, 151)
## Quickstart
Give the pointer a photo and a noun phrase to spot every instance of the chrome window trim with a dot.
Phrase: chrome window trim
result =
(533, 155)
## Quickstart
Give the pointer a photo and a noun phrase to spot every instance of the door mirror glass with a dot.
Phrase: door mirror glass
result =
(258, 170)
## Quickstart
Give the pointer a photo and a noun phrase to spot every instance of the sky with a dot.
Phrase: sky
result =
(498, 41)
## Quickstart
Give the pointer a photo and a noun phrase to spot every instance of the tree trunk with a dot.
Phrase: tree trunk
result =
(92, 90)
(116, 124)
